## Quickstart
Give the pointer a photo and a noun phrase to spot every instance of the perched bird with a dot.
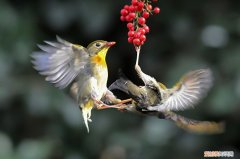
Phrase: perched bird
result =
(83, 69)
(154, 98)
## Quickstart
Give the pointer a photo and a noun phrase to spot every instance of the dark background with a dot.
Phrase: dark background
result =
(37, 121)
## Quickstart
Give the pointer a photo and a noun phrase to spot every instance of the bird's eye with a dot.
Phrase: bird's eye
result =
(97, 44)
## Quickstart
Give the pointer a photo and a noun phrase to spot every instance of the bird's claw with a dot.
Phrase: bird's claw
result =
(120, 106)
(125, 101)
(116, 106)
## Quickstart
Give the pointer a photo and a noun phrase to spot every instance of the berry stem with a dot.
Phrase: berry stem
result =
(137, 48)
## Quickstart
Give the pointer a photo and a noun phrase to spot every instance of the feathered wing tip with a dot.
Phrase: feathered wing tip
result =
(189, 90)
(55, 62)
(62, 41)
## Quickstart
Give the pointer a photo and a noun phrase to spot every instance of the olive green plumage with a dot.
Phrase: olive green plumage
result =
(83, 69)
(154, 98)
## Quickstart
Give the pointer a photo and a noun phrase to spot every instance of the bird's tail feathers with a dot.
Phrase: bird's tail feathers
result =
(86, 113)
(202, 127)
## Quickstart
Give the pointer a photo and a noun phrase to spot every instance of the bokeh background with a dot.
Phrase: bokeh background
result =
(37, 121)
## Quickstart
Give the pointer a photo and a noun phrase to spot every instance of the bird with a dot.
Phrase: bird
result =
(154, 98)
(82, 69)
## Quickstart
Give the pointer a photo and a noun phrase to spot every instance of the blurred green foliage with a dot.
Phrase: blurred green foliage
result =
(37, 121)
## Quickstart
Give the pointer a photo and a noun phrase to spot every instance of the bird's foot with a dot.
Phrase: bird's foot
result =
(125, 101)
(116, 106)
(120, 106)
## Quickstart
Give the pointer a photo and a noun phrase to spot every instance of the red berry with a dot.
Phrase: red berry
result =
(126, 7)
(131, 29)
(141, 20)
(142, 31)
(131, 33)
(135, 15)
(134, 2)
(136, 41)
(131, 8)
(122, 18)
(130, 39)
(137, 34)
(145, 15)
(128, 18)
(130, 25)
(136, 8)
(156, 10)
(146, 28)
(140, 6)
(143, 38)
(132, 15)
(139, 9)
(124, 12)
(149, 7)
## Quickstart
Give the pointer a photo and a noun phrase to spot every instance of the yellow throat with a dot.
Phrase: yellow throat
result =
(100, 58)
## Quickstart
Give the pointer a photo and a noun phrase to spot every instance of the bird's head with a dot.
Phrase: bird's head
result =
(99, 47)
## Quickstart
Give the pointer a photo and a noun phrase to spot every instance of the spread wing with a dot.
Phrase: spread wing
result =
(187, 92)
(60, 61)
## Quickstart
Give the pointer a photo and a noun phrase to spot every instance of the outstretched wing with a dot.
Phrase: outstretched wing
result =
(187, 92)
(60, 61)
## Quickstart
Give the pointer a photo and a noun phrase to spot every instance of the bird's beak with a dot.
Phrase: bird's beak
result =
(109, 44)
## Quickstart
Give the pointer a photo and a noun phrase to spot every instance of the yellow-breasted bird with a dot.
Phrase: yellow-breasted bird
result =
(83, 69)
(156, 99)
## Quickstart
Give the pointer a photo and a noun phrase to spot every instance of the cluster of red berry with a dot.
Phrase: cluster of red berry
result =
(135, 15)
